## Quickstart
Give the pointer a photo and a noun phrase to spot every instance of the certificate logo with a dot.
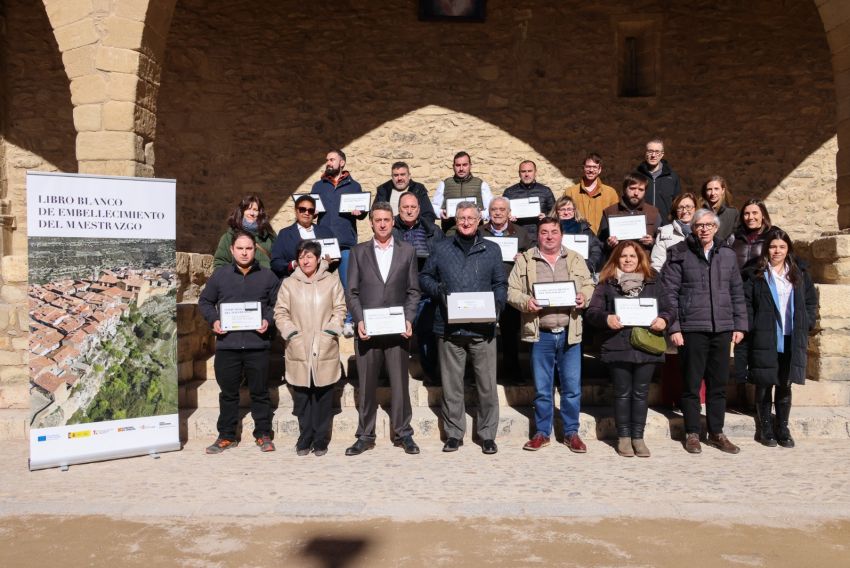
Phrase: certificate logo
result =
(126, 429)
(48, 437)
(165, 424)
(102, 432)
(80, 434)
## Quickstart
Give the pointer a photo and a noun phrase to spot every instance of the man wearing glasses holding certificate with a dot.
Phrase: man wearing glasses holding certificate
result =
(238, 303)
(550, 286)
(382, 296)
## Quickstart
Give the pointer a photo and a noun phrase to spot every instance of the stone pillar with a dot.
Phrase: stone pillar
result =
(14, 338)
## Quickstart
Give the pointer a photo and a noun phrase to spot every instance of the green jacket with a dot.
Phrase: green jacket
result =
(224, 258)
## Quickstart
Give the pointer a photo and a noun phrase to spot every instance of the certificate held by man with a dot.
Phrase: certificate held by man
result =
(320, 208)
(577, 243)
(240, 316)
(525, 207)
(625, 227)
(471, 307)
(452, 202)
(555, 294)
(509, 246)
(636, 311)
(330, 247)
(349, 202)
(384, 321)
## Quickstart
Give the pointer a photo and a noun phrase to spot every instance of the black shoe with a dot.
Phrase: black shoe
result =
(452, 444)
(319, 451)
(359, 447)
(783, 433)
(489, 447)
(408, 444)
(765, 425)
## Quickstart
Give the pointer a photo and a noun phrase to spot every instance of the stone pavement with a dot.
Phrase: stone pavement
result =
(762, 486)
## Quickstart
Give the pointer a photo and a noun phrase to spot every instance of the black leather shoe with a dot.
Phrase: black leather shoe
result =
(489, 447)
(452, 444)
(359, 447)
(408, 444)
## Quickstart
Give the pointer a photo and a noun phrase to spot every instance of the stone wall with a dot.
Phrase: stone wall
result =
(737, 94)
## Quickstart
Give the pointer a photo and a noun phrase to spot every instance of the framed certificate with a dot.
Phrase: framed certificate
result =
(319, 207)
(577, 243)
(626, 227)
(525, 207)
(509, 246)
(330, 247)
(636, 311)
(471, 307)
(349, 202)
(385, 321)
(555, 294)
(451, 204)
(240, 316)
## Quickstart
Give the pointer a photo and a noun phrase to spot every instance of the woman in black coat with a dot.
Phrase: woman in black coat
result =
(572, 223)
(753, 226)
(782, 307)
(627, 274)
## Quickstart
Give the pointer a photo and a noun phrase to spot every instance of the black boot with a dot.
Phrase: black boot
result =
(765, 425)
(783, 411)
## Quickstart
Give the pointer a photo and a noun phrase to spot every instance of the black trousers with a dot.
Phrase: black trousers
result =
(765, 394)
(509, 324)
(393, 353)
(631, 396)
(230, 366)
(705, 355)
(314, 408)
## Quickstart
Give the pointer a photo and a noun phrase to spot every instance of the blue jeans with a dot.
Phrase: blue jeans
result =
(551, 350)
(343, 277)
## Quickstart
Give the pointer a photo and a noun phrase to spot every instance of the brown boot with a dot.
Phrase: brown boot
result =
(640, 448)
(722, 443)
(624, 447)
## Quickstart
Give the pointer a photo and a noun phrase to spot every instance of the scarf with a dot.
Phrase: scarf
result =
(686, 227)
(570, 226)
(630, 283)
(251, 227)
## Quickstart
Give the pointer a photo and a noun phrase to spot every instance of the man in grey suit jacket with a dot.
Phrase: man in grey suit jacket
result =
(382, 273)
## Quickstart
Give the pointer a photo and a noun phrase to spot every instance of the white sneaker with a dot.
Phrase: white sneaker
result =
(348, 329)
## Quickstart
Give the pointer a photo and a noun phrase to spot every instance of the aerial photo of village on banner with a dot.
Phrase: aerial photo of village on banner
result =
(102, 297)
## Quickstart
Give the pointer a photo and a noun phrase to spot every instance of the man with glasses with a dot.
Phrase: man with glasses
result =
(401, 183)
(283, 252)
(466, 262)
(663, 184)
(702, 286)
(528, 186)
(590, 195)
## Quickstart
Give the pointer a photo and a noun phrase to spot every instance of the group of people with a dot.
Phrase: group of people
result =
(709, 275)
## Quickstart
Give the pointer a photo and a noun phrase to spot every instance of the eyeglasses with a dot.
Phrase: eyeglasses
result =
(591, 168)
(566, 209)
(705, 226)
(309, 210)
(654, 152)
(467, 219)
(685, 208)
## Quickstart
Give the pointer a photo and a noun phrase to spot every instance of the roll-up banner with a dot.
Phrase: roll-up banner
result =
(103, 318)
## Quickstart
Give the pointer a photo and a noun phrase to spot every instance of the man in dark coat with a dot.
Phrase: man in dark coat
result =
(528, 186)
(283, 252)
(399, 184)
(632, 202)
(664, 183)
(703, 288)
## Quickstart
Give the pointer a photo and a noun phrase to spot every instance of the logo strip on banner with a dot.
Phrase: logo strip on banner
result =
(102, 295)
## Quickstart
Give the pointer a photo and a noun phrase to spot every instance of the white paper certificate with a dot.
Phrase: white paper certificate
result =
(240, 316)
(384, 321)
(525, 207)
(470, 307)
(320, 208)
(555, 294)
(349, 202)
(627, 226)
(577, 243)
(636, 311)
(509, 246)
(451, 204)
(330, 247)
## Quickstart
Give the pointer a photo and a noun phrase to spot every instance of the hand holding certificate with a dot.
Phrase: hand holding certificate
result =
(625, 227)
(349, 202)
(451, 204)
(555, 294)
(636, 311)
(525, 207)
(385, 321)
(509, 246)
(471, 307)
(240, 316)
(330, 247)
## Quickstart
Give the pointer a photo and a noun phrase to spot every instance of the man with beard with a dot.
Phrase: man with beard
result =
(334, 182)
(529, 187)
(631, 203)
(399, 184)
(662, 182)
(461, 184)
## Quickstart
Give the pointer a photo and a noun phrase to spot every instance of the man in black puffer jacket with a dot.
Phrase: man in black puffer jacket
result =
(663, 184)
(400, 183)
(703, 287)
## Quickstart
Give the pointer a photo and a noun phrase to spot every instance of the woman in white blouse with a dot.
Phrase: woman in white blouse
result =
(681, 213)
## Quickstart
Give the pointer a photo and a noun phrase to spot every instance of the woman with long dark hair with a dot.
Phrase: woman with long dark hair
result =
(627, 274)
(717, 197)
(250, 216)
(782, 307)
(753, 226)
